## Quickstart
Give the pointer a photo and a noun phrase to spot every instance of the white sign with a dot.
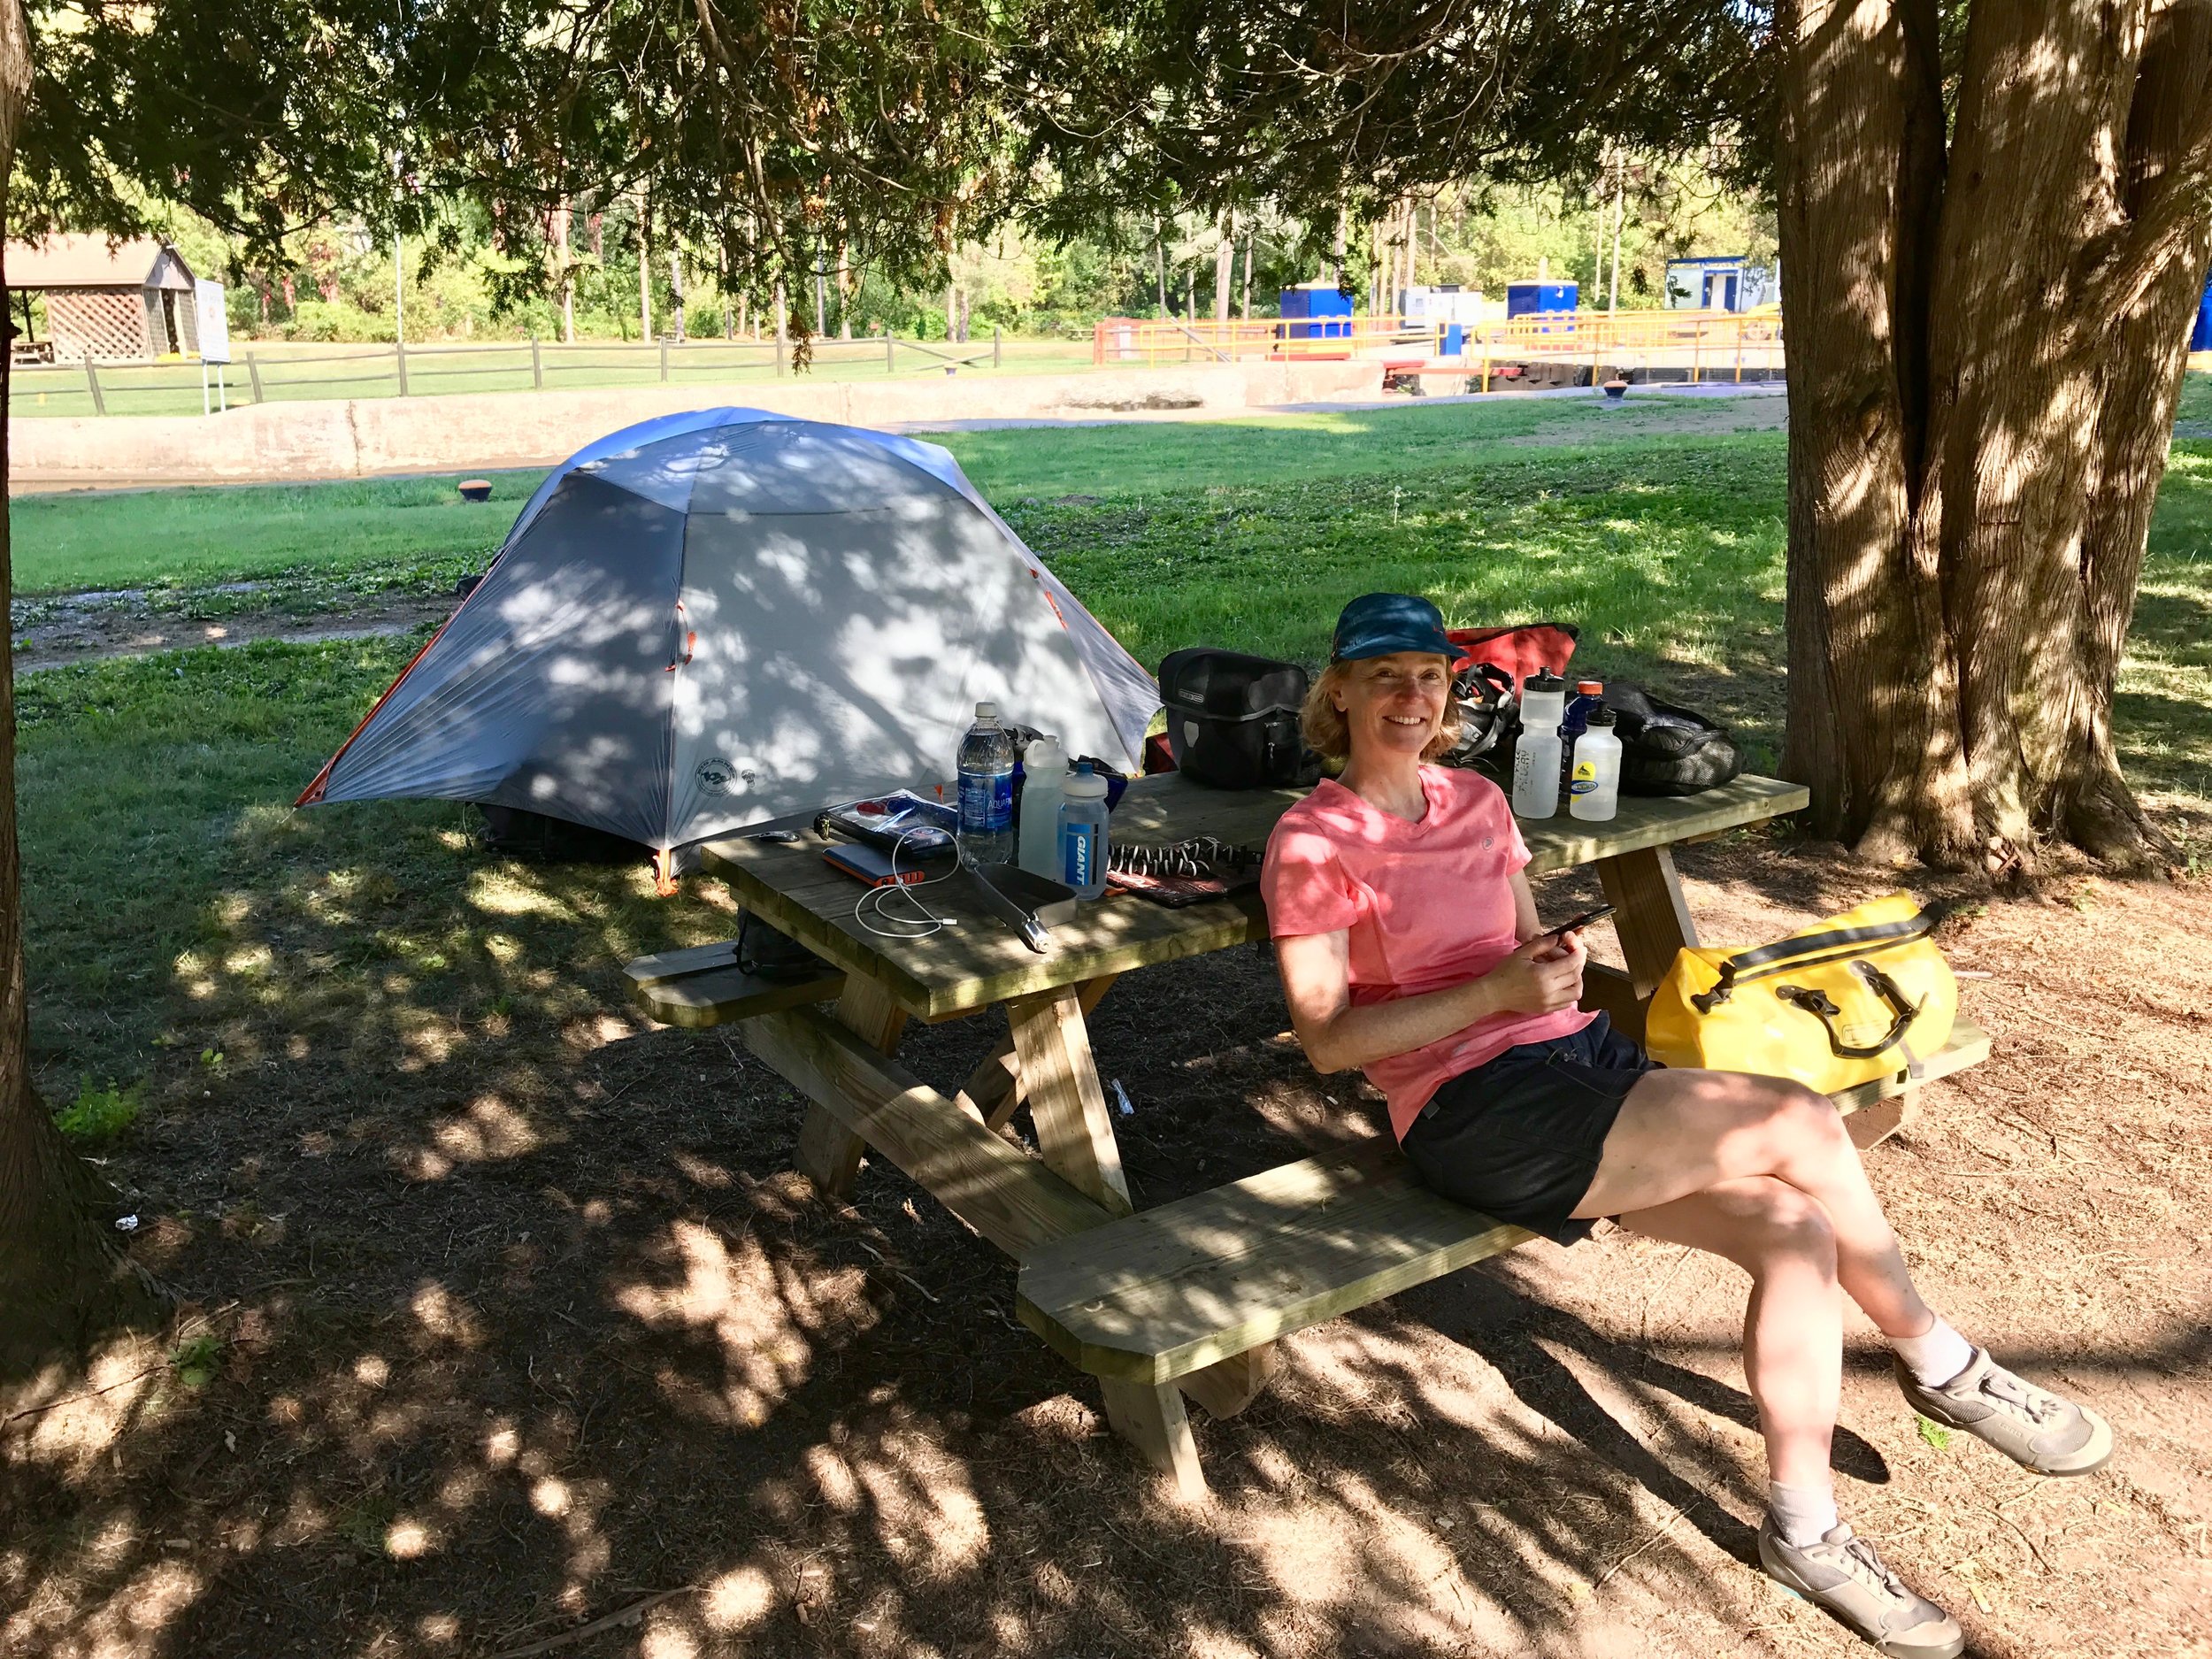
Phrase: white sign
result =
(213, 320)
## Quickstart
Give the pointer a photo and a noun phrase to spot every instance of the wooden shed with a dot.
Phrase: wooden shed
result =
(108, 301)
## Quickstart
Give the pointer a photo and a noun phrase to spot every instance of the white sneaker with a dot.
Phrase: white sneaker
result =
(1845, 1575)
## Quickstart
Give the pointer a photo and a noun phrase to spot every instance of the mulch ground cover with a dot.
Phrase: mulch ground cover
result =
(513, 1332)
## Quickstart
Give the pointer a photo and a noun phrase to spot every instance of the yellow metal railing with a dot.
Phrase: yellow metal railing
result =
(1698, 346)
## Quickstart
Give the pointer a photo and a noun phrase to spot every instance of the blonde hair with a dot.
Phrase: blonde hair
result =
(1322, 724)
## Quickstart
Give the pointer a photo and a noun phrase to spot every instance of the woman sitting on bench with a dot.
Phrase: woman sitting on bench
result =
(1410, 947)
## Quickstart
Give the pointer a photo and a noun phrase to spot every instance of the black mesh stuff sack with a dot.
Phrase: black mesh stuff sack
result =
(1666, 749)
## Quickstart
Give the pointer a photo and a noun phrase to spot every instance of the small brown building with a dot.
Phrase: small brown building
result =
(108, 301)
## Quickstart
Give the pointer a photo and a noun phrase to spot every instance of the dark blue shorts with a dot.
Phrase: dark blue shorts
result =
(1518, 1136)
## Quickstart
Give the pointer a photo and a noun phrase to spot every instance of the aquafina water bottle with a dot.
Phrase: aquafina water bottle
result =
(987, 790)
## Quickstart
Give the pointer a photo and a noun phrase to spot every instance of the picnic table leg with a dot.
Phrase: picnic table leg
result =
(1153, 1420)
(1075, 1135)
(828, 1153)
(1075, 1131)
(1653, 921)
(994, 1091)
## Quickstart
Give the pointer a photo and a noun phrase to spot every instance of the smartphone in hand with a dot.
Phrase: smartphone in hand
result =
(1578, 923)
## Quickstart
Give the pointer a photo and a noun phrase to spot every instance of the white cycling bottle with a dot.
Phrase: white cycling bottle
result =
(1536, 754)
(1594, 795)
(1083, 844)
(1044, 774)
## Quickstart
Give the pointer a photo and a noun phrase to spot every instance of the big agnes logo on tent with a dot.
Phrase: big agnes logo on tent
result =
(717, 773)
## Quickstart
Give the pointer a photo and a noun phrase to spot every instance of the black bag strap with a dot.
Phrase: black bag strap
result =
(1808, 949)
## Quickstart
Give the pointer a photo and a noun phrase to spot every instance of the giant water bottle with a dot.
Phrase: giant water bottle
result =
(1083, 835)
(1536, 753)
(987, 790)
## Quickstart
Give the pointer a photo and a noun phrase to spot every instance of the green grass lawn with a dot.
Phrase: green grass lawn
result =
(172, 893)
(388, 531)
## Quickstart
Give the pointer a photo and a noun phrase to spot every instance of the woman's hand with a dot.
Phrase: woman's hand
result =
(1543, 975)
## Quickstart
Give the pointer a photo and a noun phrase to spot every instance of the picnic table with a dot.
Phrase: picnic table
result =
(1185, 1299)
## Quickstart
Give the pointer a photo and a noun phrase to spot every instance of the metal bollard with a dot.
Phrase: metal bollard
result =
(253, 372)
(399, 350)
(92, 383)
(537, 365)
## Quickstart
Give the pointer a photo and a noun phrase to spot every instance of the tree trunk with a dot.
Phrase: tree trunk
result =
(1225, 266)
(644, 269)
(62, 1280)
(1985, 349)
(561, 215)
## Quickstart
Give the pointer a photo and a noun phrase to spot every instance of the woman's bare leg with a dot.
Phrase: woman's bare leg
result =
(1685, 1131)
(1793, 1335)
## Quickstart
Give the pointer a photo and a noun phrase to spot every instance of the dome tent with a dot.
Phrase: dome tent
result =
(714, 619)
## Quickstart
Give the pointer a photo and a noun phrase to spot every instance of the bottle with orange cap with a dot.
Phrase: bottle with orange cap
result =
(1588, 694)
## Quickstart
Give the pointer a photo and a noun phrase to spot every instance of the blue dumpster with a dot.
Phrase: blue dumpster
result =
(2200, 339)
(1316, 310)
(1521, 298)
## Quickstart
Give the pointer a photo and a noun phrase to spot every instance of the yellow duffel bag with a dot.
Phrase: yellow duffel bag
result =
(1862, 995)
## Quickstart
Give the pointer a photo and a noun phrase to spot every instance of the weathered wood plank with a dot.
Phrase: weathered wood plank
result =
(1653, 921)
(1227, 1385)
(994, 1089)
(1009, 1197)
(981, 961)
(1153, 1420)
(1075, 1131)
(718, 995)
(673, 964)
(829, 1152)
(1165, 1292)
(1607, 988)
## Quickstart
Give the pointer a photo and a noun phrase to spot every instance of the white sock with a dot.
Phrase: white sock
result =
(1801, 1515)
(1935, 1358)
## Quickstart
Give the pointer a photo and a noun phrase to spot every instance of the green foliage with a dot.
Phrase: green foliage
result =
(99, 1115)
(195, 1360)
(1934, 1434)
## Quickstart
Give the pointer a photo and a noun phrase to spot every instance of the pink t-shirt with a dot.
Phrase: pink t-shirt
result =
(1428, 905)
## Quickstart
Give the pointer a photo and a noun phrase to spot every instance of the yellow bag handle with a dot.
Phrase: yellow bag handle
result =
(1821, 1007)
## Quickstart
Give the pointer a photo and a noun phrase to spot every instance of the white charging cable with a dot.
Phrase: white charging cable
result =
(871, 901)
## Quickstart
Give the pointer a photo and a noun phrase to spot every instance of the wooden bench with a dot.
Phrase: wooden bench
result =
(1152, 1297)
(702, 986)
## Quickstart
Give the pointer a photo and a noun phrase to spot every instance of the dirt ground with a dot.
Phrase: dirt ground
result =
(94, 627)
(533, 1343)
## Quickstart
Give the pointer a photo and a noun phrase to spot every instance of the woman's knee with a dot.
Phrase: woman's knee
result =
(1788, 1223)
(1800, 1122)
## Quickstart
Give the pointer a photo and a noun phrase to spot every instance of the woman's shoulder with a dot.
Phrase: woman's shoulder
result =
(1468, 789)
(1327, 815)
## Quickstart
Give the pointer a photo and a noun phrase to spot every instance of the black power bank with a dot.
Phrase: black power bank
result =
(871, 864)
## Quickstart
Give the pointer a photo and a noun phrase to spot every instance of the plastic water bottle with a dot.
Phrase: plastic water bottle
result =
(1595, 791)
(1575, 722)
(1083, 843)
(1536, 756)
(987, 790)
(1044, 771)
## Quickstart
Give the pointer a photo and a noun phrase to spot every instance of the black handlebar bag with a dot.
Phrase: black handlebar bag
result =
(1232, 719)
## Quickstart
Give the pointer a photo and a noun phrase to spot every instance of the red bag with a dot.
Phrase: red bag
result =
(1519, 651)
